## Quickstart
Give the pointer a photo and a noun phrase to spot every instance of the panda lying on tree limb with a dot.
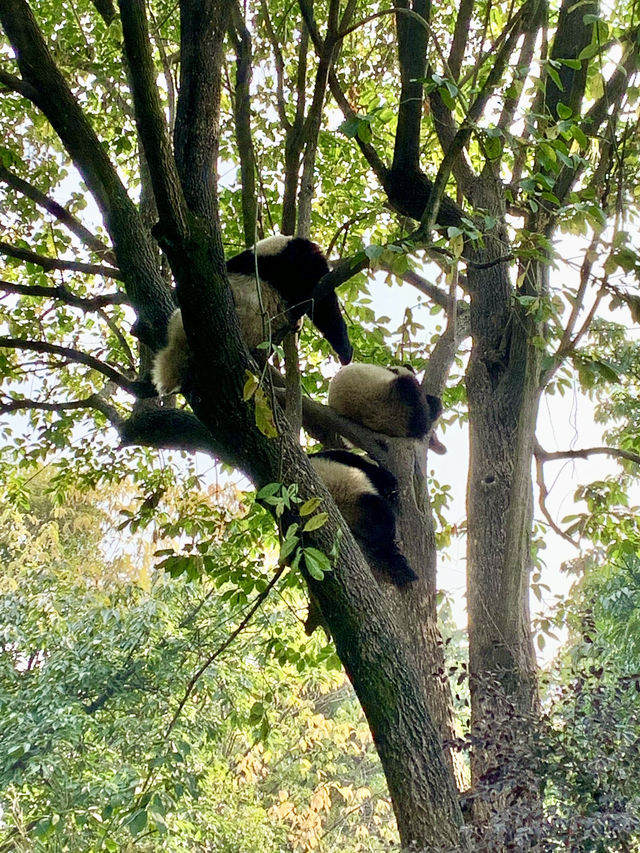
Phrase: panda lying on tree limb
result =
(289, 268)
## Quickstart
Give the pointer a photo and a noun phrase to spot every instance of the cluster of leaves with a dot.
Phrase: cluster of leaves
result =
(107, 740)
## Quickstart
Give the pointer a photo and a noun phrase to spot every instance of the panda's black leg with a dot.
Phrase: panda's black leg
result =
(375, 530)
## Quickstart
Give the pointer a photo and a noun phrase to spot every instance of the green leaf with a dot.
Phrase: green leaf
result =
(138, 822)
(250, 386)
(316, 563)
(268, 491)
(264, 415)
(316, 522)
(310, 506)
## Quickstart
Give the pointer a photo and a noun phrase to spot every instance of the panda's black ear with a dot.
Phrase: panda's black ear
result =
(435, 407)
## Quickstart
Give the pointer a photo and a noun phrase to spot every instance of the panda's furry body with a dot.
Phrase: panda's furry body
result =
(366, 495)
(288, 269)
(384, 399)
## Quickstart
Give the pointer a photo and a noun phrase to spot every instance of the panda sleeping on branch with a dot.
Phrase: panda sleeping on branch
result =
(384, 399)
(288, 269)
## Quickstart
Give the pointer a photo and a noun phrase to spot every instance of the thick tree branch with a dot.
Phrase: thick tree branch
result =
(446, 129)
(73, 355)
(63, 294)
(460, 37)
(412, 58)
(61, 214)
(106, 10)
(56, 264)
(242, 124)
(150, 120)
(170, 429)
(202, 25)
(572, 36)
(15, 84)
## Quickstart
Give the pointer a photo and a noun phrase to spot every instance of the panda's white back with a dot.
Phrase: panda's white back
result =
(362, 392)
(250, 304)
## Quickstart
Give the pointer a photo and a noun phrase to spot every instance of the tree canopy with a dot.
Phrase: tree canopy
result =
(484, 157)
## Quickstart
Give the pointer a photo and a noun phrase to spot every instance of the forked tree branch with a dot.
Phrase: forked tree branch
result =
(543, 494)
(585, 453)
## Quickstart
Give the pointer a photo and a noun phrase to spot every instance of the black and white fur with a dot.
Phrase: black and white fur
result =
(366, 494)
(289, 268)
(385, 399)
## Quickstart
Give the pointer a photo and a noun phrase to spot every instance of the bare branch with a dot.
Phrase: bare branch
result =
(15, 84)
(72, 355)
(577, 302)
(432, 291)
(94, 401)
(62, 293)
(279, 66)
(61, 214)
(170, 429)
(313, 122)
(56, 264)
(293, 386)
(585, 453)
(542, 500)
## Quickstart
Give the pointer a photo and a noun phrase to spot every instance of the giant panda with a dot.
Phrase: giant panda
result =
(289, 268)
(366, 494)
(384, 399)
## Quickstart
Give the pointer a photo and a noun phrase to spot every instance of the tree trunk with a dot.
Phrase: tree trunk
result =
(503, 391)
